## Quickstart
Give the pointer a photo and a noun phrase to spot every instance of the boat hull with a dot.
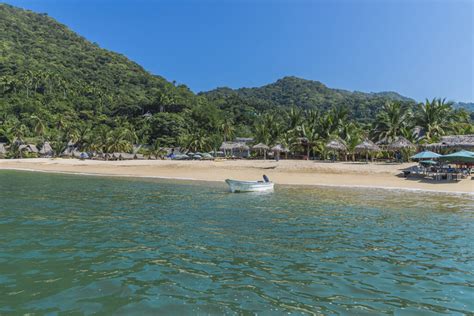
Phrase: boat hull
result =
(249, 186)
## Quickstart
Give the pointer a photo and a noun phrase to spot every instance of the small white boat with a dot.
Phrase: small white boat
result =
(250, 186)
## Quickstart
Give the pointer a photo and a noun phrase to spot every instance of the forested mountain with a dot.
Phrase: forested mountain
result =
(56, 86)
(307, 94)
(469, 106)
(46, 66)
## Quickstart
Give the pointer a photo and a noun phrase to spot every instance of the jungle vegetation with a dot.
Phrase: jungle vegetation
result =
(56, 86)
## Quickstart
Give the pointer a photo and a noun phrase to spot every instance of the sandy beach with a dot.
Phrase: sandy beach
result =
(290, 172)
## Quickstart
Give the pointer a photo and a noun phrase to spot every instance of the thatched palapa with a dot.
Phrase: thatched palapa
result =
(454, 141)
(261, 146)
(46, 150)
(336, 144)
(401, 143)
(3, 150)
(279, 148)
(367, 146)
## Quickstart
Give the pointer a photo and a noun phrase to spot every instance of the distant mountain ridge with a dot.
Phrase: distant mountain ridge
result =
(469, 106)
(307, 94)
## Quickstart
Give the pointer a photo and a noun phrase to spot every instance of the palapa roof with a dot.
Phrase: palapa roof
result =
(29, 147)
(125, 156)
(234, 145)
(46, 149)
(336, 144)
(401, 143)
(456, 141)
(261, 146)
(460, 156)
(279, 148)
(367, 145)
(243, 139)
(425, 155)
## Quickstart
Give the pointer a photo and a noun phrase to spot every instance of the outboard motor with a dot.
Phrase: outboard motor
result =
(265, 178)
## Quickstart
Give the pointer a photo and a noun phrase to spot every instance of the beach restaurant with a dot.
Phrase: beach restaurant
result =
(455, 166)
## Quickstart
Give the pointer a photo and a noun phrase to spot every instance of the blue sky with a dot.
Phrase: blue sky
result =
(419, 48)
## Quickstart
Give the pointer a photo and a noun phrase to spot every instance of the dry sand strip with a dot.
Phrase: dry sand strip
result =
(291, 172)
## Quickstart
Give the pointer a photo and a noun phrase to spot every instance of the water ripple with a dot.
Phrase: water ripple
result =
(124, 246)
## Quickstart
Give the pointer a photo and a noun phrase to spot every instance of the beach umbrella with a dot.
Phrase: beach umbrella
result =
(426, 155)
(462, 156)
(336, 144)
(365, 147)
(279, 148)
(428, 162)
(262, 146)
(400, 143)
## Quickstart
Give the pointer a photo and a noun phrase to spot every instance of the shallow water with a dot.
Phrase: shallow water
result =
(129, 246)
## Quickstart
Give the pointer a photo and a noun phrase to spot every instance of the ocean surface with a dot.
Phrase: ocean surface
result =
(84, 244)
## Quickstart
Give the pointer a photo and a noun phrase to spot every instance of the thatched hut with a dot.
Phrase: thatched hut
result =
(28, 148)
(245, 140)
(241, 147)
(401, 143)
(367, 146)
(277, 149)
(262, 147)
(457, 142)
(336, 145)
(3, 150)
(46, 150)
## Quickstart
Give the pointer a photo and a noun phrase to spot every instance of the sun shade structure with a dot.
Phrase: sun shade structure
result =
(279, 148)
(336, 145)
(428, 162)
(367, 146)
(454, 141)
(260, 146)
(3, 150)
(462, 156)
(46, 150)
(426, 155)
(401, 143)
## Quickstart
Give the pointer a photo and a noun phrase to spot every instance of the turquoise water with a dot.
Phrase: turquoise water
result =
(127, 246)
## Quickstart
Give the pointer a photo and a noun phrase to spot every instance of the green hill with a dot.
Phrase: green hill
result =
(57, 86)
(306, 94)
(44, 66)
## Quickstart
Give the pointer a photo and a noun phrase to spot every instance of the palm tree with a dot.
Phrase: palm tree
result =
(352, 135)
(116, 142)
(435, 118)
(227, 128)
(391, 120)
(39, 127)
(309, 131)
(59, 145)
(294, 116)
(156, 150)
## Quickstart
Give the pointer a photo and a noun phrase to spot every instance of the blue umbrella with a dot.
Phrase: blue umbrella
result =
(459, 156)
(428, 162)
(426, 155)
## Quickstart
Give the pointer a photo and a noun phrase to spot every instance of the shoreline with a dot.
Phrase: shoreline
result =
(286, 172)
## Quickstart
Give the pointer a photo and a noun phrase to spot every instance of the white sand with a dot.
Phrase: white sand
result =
(296, 172)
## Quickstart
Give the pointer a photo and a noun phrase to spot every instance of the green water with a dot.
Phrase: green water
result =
(88, 245)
